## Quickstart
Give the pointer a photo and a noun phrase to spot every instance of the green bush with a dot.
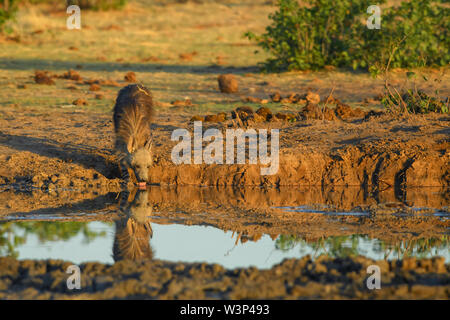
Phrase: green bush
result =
(328, 32)
(8, 9)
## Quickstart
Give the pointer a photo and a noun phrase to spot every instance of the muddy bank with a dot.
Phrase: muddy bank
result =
(371, 154)
(324, 278)
(23, 198)
(377, 153)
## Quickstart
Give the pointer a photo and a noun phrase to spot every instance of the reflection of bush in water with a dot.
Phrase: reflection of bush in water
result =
(419, 248)
(331, 246)
(44, 230)
(345, 246)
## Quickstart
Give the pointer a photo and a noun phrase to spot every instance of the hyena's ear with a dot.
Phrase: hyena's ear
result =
(148, 144)
(131, 145)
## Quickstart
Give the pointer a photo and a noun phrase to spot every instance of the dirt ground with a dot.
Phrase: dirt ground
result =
(324, 278)
(56, 156)
(74, 149)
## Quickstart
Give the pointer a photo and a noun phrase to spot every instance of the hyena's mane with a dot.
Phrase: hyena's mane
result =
(132, 115)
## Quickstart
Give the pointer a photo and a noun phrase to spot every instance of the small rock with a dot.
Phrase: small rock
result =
(130, 77)
(228, 83)
(80, 102)
(312, 97)
(94, 87)
(42, 77)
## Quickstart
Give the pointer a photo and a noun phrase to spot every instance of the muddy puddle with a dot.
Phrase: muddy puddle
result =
(82, 242)
(233, 230)
(230, 227)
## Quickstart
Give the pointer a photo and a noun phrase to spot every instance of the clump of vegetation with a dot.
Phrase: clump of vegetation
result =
(413, 101)
(327, 32)
(8, 9)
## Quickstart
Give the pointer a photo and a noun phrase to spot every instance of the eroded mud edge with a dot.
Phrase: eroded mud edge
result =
(375, 171)
(377, 154)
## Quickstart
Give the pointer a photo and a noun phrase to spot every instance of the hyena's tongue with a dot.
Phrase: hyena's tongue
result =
(142, 185)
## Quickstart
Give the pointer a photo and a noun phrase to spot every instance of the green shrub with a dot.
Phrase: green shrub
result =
(328, 32)
(414, 34)
(8, 9)
(413, 101)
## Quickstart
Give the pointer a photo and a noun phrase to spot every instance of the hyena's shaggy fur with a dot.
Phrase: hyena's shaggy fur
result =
(133, 230)
(132, 115)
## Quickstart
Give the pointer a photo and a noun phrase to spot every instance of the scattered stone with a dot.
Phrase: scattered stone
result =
(313, 111)
(344, 111)
(94, 87)
(265, 113)
(80, 102)
(228, 83)
(286, 116)
(245, 109)
(312, 98)
(130, 77)
(275, 97)
(42, 77)
(197, 118)
(71, 75)
(221, 116)
(211, 118)
(251, 99)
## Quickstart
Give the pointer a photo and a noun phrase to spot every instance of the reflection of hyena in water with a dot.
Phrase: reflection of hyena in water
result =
(133, 229)
(132, 115)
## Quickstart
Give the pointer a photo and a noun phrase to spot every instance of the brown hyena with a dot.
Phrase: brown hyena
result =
(133, 229)
(132, 115)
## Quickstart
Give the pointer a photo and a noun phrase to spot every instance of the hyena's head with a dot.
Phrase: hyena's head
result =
(140, 160)
(141, 208)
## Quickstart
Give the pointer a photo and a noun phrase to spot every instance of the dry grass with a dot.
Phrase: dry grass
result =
(148, 37)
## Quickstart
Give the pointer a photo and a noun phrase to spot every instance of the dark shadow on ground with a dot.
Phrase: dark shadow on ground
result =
(107, 203)
(26, 64)
(87, 156)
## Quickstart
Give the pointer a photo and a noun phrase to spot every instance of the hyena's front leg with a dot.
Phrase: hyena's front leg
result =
(124, 173)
